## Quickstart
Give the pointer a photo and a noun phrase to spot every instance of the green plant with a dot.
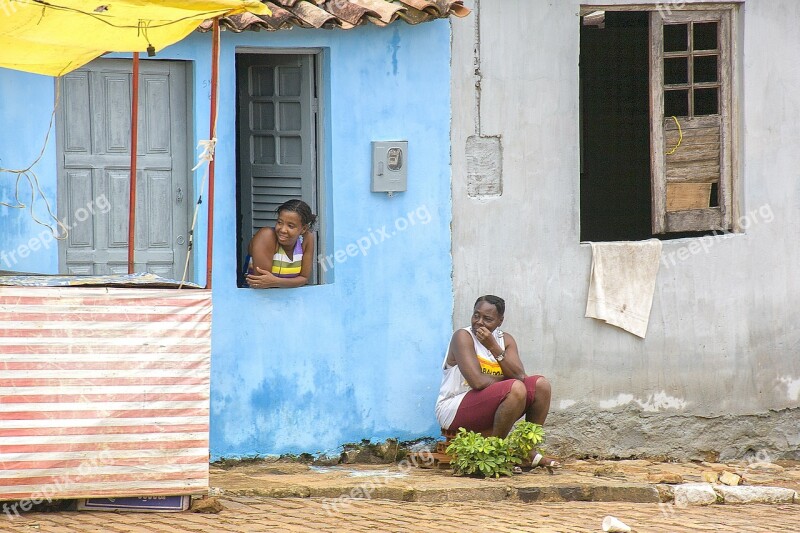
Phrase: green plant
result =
(473, 453)
(494, 456)
(523, 438)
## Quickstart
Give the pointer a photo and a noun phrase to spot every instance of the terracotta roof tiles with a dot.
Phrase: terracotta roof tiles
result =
(344, 14)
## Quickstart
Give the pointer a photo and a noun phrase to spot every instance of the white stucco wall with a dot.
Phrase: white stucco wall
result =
(723, 337)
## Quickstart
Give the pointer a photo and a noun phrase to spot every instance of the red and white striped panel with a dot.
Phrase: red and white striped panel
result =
(103, 392)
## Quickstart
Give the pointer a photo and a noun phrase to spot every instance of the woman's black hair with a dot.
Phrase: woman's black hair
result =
(307, 218)
(496, 301)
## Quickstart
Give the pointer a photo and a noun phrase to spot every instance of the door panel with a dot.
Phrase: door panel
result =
(94, 162)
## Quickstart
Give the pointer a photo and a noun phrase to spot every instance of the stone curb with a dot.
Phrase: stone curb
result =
(622, 492)
(708, 494)
(752, 494)
(680, 495)
(569, 492)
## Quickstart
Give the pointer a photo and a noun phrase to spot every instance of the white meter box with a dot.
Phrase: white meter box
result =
(389, 166)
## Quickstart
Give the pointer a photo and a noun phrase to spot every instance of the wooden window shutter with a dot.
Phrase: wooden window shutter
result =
(690, 102)
(277, 142)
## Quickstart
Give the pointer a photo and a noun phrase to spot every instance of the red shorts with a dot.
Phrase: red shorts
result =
(477, 409)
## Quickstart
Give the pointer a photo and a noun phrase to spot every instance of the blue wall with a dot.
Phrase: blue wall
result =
(308, 369)
(26, 105)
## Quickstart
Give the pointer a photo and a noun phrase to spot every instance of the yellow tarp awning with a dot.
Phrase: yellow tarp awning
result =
(55, 37)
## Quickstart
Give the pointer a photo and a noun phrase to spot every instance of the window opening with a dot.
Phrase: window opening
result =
(276, 141)
(655, 93)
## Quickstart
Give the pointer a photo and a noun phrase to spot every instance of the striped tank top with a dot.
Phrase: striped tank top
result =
(282, 266)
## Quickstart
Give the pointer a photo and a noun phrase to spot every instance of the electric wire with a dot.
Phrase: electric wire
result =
(206, 157)
(103, 19)
(34, 183)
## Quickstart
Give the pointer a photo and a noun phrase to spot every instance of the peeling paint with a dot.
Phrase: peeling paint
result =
(621, 399)
(661, 401)
(792, 387)
(653, 403)
(566, 404)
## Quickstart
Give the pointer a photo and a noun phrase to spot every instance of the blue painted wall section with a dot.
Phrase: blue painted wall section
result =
(26, 105)
(308, 369)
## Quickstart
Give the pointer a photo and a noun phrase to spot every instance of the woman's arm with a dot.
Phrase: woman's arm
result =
(262, 248)
(511, 363)
(462, 347)
(264, 279)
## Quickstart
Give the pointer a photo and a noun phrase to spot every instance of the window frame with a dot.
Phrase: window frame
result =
(319, 187)
(729, 193)
(700, 219)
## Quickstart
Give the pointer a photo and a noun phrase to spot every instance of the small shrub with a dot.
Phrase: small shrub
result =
(475, 454)
(523, 438)
(493, 456)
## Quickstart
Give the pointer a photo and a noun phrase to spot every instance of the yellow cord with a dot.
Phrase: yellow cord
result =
(680, 136)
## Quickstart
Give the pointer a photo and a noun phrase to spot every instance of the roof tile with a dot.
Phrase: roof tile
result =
(344, 14)
(386, 12)
(311, 14)
(347, 11)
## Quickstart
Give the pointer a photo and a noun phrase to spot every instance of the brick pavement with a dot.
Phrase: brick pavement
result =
(295, 515)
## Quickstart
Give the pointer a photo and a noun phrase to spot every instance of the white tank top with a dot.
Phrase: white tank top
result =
(454, 386)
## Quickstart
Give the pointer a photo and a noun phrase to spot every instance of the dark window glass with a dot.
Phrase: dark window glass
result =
(291, 81)
(262, 116)
(263, 150)
(705, 69)
(676, 70)
(675, 38)
(291, 150)
(676, 103)
(706, 102)
(705, 35)
(262, 81)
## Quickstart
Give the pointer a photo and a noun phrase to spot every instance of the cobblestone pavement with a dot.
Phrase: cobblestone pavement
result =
(260, 514)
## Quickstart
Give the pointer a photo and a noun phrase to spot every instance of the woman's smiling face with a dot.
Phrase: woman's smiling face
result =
(288, 227)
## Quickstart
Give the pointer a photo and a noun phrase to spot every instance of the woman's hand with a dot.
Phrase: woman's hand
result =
(486, 338)
(262, 279)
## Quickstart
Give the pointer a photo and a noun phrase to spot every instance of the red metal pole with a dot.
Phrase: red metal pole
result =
(212, 135)
(134, 149)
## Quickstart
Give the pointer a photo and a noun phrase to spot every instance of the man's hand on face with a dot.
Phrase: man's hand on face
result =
(485, 337)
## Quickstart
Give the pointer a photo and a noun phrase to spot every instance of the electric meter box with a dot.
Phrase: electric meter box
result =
(389, 166)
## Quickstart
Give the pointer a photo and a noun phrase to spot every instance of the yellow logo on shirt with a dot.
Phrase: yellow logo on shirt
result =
(489, 367)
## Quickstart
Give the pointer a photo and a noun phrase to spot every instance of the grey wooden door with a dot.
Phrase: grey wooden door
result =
(277, 109)
(94, 122)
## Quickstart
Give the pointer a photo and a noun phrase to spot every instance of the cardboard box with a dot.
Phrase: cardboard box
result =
(147, 504)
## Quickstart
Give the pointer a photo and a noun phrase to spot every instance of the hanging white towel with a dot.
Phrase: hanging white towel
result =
(622, 283)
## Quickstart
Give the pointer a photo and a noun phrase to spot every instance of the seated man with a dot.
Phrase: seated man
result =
(484, 386)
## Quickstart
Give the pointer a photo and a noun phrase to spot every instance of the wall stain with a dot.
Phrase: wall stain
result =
(394, 47)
